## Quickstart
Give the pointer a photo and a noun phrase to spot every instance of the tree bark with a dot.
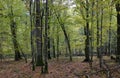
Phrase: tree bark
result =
(101, 34)
(53, 45)
(13, 27)
(39, 58)
(57, 40)
(109, 43)
(46, 39)
(97, 17)
(31, 35)
(87, 33)
(49, 40)
(118, 32)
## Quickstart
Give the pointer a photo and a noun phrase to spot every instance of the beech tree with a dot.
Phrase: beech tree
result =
(39, 58)
(13, 27)
(118, 31)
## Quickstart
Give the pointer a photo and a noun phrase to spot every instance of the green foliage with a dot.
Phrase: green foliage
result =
(21, 18)
(73, 18)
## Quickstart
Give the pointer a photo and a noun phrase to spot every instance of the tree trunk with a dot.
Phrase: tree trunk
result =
(92, 32)
(87, 33)
(53, 45)
(109, 43)
(53, 40)
(13, 27)
(46, 39)
(101, 49)
(39, 59)
(49, 40)
(57, 40)
(118, 32)
(97, 17)
(49, 54)
(32, 40)
(66, 36)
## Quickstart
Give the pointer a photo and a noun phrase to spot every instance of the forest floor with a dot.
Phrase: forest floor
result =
(61, 68)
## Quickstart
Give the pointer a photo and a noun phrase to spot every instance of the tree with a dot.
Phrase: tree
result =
(118, 31)
(32, 36)
(39, 58)
(13, 27)
(109, 43)
(62, 25)
(46, 38)
(87, 33)
(66, 36)
(101, 34)
(97, 22)
(49, 38)
(57, 40)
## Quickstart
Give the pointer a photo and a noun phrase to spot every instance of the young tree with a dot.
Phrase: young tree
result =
(97, 22)
(109, 31)
(101, 34)
(57, 40)
(49, 38)
(62, 25)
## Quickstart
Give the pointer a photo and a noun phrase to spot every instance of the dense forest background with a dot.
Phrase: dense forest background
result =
(41, 30)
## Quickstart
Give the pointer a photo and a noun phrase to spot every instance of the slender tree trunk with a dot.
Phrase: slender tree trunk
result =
(97, 17)
(53, 45)
(49, 40)
(66, 36)
(87, 33)
(53, 40)
(46, 38)
(13, 27)
(32, 40)
(92, 33)
(68, 44)
(101, 52)
(49, 54)
(57, 40)
(1, 49)
(118, 32)
(66, 50)
(109, 43)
